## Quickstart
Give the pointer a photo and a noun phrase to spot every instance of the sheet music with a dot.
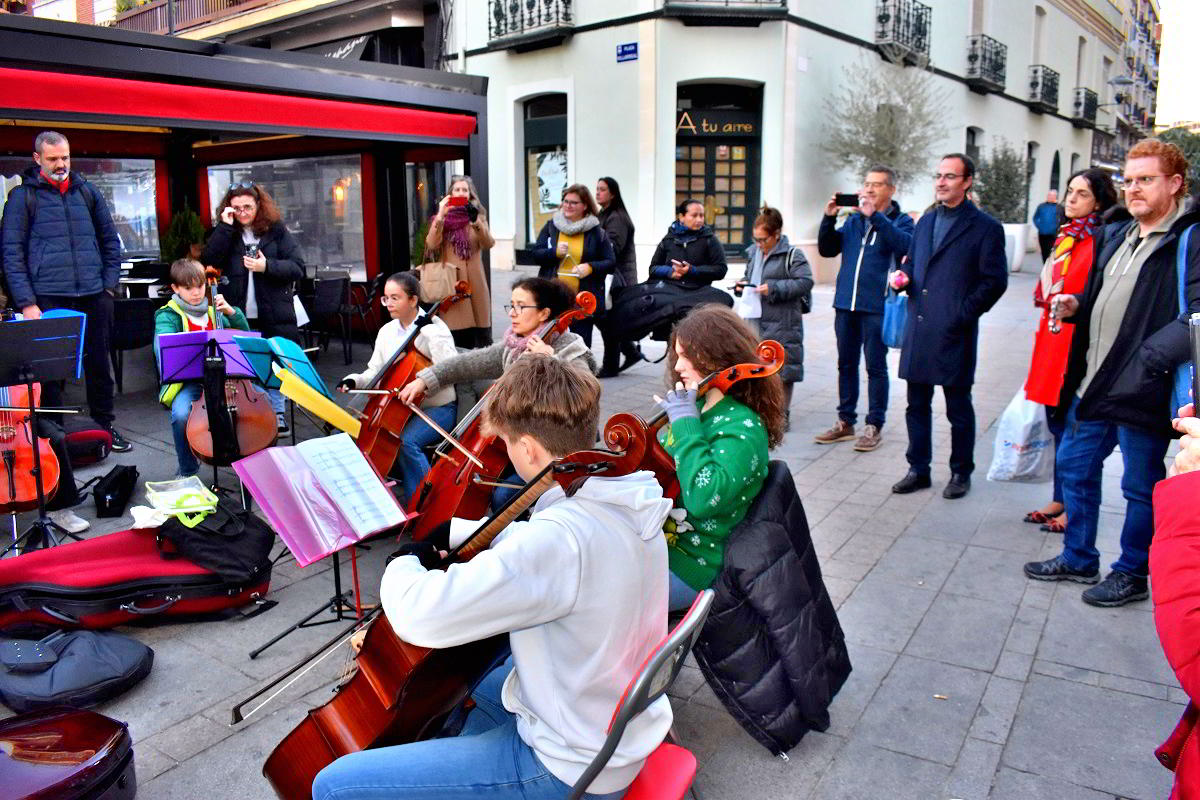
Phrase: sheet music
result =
(346, 476)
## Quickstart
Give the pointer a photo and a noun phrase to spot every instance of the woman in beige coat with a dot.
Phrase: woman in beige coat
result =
(458, 235)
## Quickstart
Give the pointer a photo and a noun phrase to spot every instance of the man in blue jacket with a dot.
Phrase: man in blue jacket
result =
(61, 250)
(1045, 219)
(871, 242)
(955, 272)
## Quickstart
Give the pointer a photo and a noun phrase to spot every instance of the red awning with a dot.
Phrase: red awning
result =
(148, 102)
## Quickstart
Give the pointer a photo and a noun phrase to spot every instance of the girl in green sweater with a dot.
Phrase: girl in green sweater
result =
(719, 443)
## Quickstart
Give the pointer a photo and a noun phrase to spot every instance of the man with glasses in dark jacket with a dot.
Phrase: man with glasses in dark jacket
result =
(871, 242)
(61, 250)
(1119, 376)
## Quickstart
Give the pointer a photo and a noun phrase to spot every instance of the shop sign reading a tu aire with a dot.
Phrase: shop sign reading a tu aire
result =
(693, 122)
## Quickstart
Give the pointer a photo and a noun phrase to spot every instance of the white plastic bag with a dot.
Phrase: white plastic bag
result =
(1024, 449)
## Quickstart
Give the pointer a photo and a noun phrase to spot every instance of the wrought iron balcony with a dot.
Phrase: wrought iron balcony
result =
(529, 24)
(987, 64)
(152, 17)
(902, 30)
(1043, 89)
(1083, 114)
(728, 13)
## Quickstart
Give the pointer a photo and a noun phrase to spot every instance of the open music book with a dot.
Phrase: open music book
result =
(320, 496)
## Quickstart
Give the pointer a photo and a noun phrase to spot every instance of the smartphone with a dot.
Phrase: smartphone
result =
(252, 250)
(459, 201)
(1194, 328)
(847, 199)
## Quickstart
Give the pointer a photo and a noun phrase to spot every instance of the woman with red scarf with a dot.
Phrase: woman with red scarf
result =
(459, 235)
(1090, 194)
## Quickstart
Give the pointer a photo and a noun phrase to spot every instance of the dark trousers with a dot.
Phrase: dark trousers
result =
(919, 418)
(615, 346)
(67, 494)
(1046, 242)
(96, 366)
(584, 328)
(861, 332)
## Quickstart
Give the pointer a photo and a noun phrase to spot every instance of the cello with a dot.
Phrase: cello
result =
(462, 487)
(384, 416)
(399, 692)
(231, 419)
(18, 481)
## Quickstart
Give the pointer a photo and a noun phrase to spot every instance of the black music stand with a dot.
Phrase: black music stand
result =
(35, 351)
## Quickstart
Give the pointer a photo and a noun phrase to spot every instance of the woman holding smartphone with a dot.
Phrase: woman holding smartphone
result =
(459, 234)
(262, 260)
(689, 254)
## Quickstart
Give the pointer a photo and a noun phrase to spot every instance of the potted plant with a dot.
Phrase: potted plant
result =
(184, 236)
(1001, 189)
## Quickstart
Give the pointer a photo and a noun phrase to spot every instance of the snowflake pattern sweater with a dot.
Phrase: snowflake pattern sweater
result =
(721, 461)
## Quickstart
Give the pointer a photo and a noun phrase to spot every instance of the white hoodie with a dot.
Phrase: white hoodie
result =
(582, 589)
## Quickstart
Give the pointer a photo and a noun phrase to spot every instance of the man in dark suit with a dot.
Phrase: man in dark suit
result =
(955, 272)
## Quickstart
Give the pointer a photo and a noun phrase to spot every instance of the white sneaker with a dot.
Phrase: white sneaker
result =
(69, 521)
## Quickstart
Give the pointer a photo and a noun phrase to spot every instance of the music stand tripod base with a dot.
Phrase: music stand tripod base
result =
(339, 605)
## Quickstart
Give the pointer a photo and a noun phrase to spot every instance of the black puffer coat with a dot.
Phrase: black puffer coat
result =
(273, 289)
(772, 648)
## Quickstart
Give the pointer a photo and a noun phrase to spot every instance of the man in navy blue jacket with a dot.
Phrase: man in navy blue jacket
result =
(61, 250)
(871, 242)
(955, 272)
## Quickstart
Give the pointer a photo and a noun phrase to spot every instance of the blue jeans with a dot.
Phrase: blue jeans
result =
(1057, 429)
(680, 596)
(277, 400)
(860, 331)
(413, 439)
(1081, 460)
(488, 759)
(181, 406)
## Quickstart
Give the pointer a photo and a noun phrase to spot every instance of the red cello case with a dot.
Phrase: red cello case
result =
(65, 754)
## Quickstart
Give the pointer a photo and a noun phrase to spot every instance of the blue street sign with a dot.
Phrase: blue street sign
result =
(627, 52)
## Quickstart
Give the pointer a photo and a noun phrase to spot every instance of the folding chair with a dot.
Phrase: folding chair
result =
(668, 772)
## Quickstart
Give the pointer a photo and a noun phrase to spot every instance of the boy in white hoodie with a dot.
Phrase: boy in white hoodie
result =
(581, 588)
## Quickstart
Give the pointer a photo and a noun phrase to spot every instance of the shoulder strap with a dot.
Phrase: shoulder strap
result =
(1181, 269)
(30, 204)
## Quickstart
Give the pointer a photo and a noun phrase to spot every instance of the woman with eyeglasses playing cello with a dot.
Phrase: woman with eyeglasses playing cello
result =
(262, 260)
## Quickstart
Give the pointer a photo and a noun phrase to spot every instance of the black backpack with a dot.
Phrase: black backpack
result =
(231, 542)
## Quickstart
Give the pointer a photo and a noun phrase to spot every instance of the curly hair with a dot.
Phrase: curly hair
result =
(714, 338)
(268, 212)
(1170, 159)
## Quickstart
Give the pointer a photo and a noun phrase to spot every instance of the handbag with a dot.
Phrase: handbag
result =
(437, 281)
(895, 317)
(230, 541)
(113, 491)
(1181, 393)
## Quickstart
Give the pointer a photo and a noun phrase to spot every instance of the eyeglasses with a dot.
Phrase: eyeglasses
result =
(387, 300)
(241, 185)
(1142, 180)
(244, 209)
(572, 202)
(950, 176)
(762, 239)
(516, 308)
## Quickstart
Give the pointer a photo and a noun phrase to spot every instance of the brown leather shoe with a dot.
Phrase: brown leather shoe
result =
(870, 439)
(840, 432)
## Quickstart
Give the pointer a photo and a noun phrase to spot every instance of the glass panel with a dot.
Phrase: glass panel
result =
(739, 168)
(722, 221)
(722, 167)
(739, 153)
(723, 200)
(698, 152)
(681, 168)
(698, 184)
(127, 185)
(681, 152)
(737, 221)
(697, 167)
(722, 152)
(679, 198)
(721, 184)
(681, 184)
(320, 200)
(723, 237)
(739, 184)
(738, 200)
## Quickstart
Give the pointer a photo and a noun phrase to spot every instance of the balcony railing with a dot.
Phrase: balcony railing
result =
(902, 30)
(1083, 113)
(1043, 89)
(152, 17)
(529, 24)
(987, 63)
(735, 13)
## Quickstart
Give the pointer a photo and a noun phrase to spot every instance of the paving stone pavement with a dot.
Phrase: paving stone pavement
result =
(969, 681)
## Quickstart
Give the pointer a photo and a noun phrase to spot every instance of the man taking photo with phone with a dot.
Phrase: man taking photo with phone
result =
(871, 241)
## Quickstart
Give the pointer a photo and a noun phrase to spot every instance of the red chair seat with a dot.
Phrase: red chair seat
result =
(666, 775)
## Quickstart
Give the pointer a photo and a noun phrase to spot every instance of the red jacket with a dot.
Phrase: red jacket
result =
(1175, 578)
